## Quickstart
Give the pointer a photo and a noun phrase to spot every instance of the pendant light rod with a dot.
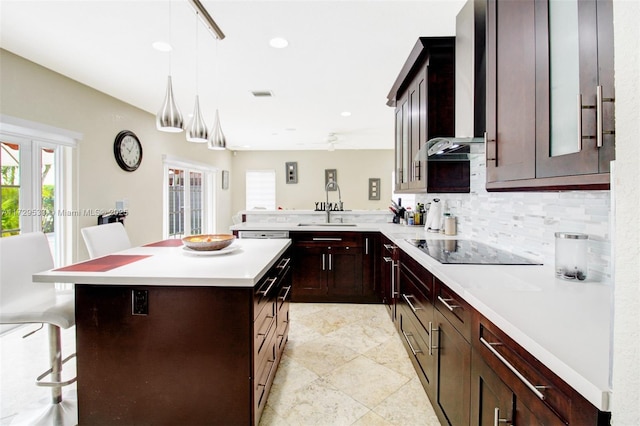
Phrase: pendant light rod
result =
(207, 19)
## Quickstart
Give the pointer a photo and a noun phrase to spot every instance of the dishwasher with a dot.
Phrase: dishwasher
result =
(263, 234)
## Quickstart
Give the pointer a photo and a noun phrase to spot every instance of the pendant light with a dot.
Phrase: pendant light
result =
(216, 137)
(169, 118)
(197, 129)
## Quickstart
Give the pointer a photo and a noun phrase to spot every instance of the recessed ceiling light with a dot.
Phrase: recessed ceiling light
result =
(278, 43)
(161, 46)
(346, 113)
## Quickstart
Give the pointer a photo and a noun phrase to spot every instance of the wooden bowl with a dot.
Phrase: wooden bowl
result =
(208, 242)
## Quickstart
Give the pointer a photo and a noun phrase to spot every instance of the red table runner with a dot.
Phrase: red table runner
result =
(172, 242)
(103, 264)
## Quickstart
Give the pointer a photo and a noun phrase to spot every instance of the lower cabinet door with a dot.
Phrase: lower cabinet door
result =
(454, 373)
(310, 273)
(416, 341)
(345, 271)
(492, 402)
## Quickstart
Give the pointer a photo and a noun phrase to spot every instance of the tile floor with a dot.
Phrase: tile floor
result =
(344, 364)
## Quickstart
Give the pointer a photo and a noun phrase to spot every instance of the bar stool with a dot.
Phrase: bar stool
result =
(105, 239)
(26, 302)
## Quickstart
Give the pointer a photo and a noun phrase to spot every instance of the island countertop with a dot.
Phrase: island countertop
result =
(169, 263)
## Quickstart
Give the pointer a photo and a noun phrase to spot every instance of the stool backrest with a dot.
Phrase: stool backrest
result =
(105, 239)
(21, 256)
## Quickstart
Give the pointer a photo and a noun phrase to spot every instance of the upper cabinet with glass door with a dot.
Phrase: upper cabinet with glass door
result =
(550, 100)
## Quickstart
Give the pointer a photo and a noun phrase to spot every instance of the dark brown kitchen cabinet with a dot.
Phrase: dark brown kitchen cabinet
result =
(334, 267)
(550, 94)
(416, 320)
(388, 263)
(201, 355)
(423, 97)
(508, 378)
(453, 317)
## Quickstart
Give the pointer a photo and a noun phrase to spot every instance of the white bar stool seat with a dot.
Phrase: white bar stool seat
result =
(105, 239)
(26, 302)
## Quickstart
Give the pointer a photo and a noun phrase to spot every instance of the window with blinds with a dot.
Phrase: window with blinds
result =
(261, 189)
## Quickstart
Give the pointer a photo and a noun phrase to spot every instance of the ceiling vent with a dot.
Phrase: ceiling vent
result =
(262, 93)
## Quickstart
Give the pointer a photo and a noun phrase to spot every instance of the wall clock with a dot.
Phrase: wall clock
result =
(127, 150)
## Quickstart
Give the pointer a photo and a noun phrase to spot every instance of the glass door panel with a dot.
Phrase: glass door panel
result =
(564, 76)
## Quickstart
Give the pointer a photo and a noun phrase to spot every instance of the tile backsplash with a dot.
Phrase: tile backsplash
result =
(525, 222)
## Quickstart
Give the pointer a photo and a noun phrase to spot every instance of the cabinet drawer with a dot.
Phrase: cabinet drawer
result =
(331, 238)
(265, 291)
(454, 308)
(262, 327)
(416, 295)
(417, 342)
(265, 371)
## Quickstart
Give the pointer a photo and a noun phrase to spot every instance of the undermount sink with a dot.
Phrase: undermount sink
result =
(327, 224)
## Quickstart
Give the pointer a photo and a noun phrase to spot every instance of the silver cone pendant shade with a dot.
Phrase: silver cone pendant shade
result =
(216, 138)
(169, 118)
(197, 129)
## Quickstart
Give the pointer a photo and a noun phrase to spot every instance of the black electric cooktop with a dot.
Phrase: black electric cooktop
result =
(469, 252)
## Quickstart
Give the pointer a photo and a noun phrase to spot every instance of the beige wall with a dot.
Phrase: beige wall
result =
(34, 93)
(354, 168)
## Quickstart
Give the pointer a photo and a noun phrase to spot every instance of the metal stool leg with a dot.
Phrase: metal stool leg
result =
(56, 412)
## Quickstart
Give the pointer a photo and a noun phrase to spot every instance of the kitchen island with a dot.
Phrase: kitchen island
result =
(168, 336)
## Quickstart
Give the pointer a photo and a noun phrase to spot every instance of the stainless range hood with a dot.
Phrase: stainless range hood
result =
(450, 149)
(470, 90)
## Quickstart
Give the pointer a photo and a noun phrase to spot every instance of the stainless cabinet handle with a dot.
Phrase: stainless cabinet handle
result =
(600, 132)
(445, 302)
(406, 298)
(406, 337)
(389, 247)
(430, 341)
(330, 258)
(507, 364)
(366, 246)
(286, 293)
(387, 259)
(283, 263)
(496, 418)
(327, 239)
(323, 264)
(273, 281)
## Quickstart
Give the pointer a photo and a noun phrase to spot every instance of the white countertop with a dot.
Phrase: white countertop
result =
(564, 324)
(171, 266)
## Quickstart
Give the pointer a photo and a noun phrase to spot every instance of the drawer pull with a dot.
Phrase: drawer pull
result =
(406, 337)
(387, 259)
(323, 262)
(496, 418)
(273, 281)
(445, 302)
(406, 298)
(507, 364)
(430, 341)
(286, 293)
(327, 239)
(283, 263)
(389, 247)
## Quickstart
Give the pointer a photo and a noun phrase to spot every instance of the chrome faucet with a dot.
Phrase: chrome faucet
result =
(331, 184)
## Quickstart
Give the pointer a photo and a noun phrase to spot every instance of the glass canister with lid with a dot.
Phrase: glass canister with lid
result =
(571, 255)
